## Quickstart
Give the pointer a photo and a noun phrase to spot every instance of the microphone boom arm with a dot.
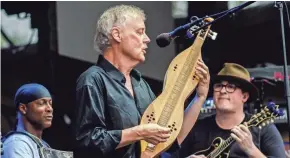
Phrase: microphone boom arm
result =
(238, 8)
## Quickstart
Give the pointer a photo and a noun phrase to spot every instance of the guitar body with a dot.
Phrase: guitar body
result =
(216, 144)
(175, 94)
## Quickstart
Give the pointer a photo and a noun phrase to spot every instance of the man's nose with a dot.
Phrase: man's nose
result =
(223, 90)
(49, 108)
(146, 39)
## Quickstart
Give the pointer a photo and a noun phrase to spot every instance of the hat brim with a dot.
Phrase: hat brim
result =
(245, 85)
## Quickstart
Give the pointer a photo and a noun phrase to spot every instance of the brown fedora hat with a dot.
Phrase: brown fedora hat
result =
(238, 74)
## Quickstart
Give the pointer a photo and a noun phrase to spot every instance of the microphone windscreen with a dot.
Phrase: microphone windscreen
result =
(163, 39)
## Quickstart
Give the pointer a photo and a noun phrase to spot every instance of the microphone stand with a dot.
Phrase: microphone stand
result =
(164, 39)
(279, 5)
(230, 11)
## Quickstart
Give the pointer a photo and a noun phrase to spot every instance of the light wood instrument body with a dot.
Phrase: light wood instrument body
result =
(167, 109)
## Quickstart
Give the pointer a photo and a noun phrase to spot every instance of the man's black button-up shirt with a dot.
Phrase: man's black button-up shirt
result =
(105, 107)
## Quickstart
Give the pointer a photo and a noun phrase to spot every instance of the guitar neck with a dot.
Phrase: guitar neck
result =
(223, 146)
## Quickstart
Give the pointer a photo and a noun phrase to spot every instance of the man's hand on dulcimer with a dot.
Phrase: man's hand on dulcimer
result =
(204, 78)
(152, 133)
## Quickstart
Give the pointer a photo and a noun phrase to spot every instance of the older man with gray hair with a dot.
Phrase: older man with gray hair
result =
(112, 96)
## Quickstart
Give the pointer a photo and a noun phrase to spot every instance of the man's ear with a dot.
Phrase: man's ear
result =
(116, 34)
(245, 96)
(22, 108)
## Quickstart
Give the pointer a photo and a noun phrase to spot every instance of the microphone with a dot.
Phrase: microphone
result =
(164, 39)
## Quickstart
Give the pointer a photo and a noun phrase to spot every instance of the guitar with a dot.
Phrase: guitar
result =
(167, 109)
(220, 148)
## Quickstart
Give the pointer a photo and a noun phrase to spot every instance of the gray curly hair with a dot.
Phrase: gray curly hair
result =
(114, 16)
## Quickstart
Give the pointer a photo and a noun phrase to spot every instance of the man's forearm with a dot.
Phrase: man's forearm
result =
(256, 153)
(190, 117)
(129, 136)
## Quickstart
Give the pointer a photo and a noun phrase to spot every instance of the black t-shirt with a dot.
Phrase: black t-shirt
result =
(267, 139)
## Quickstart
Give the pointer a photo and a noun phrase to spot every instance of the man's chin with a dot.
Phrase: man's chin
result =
(142, 59)
(47, 125)
(226, 110)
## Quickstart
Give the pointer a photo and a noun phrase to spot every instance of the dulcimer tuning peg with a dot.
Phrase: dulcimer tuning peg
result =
(212, 35)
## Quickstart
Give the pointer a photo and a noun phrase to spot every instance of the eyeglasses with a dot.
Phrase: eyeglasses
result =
(230, 88)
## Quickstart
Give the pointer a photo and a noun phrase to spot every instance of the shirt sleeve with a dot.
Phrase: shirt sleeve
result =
(91, 131)
(17, 149)
(272, 143)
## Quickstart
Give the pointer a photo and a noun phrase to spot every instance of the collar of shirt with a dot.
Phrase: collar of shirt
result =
(20, 128)
(114, 72)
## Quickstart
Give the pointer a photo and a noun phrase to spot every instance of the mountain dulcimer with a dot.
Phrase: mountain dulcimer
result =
(167, 109)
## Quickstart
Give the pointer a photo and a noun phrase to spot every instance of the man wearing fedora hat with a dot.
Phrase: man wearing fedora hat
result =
(232, 88)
